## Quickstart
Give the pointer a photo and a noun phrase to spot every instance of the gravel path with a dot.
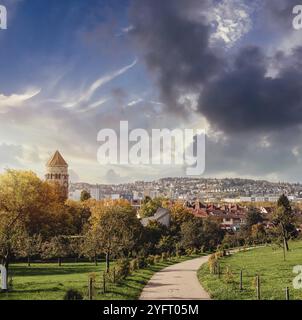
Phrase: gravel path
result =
(177, 282)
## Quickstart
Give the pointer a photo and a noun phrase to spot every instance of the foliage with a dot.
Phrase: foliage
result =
(191, 233)
(134, 264)
(283, 218)
(150, 206)
(72, 294)
(253, 217)
(113, 229)
(57, 247)
(29, 246)
(152, 235)
(85, 195)
(212, 263)
(122, 268)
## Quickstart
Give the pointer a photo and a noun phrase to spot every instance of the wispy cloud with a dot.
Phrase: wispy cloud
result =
(94, 105)
(88, 94)
(16, 100)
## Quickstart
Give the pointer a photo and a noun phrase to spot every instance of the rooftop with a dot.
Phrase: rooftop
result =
(56, 160)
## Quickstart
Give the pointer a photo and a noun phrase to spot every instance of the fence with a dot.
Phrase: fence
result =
(247, 285)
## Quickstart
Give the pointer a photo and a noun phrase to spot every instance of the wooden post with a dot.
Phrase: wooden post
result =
(241, 284)
(104, 282)
(218, 269)
(258, 287)
(90, 288)
(107, 262)
(114, 275)
(287, 293)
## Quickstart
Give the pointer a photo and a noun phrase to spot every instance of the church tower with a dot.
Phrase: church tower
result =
(57, 171)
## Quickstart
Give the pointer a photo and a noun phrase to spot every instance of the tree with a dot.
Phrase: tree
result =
(116, 228)
(78, 215)
(149, 207)
(85, 195)
(283, 218)
(179, 215)
(192, 233)
(153, 232)
(166, 244)
(253, 217)
(90, 245)
(24, 199)
(258, 233)
(29, 246)
(212, 234)
(57, 247)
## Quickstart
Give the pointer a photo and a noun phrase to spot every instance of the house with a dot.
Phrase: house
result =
(230, 216)
(162, 216)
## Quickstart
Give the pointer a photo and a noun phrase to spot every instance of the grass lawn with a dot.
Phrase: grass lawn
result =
(48, 281)
(275, 274)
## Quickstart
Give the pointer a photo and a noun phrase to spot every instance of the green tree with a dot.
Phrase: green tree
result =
(29, 246)
(153, 232)
(283, 218)
(166, 244)
(85, 195)
(212, 234)
(91, 245)
(25, 201)
(253, 217)
(192, 234)
(57, 247)
(117, 229)
(149, 207)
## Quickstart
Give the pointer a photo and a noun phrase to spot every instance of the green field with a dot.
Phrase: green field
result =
(48, 281)
(267, 262)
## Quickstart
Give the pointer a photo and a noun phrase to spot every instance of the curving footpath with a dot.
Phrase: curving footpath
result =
(177, 282)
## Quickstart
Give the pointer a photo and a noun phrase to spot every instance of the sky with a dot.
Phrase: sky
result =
(232, 67)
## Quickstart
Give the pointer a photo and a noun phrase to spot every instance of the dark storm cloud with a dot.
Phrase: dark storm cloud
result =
(236, 94)
(175, 46)
(278, 13)
(245, 98)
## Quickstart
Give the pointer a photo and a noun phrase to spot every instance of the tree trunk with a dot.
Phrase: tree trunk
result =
(284, 249)
(59, 261)
(285, 242)
(28, 261)
(107, 262)
(95, 260)
(286, 245)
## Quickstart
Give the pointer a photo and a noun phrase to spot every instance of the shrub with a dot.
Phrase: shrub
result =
(122, 268)
(112, 275)
(72, 294)
(220, 254)
(195, 251)
(133, 264)
(164, 256)
(151, 260)
(189, 251)
(212, 263)
(141, 262)
(157, 258)
(229, 276)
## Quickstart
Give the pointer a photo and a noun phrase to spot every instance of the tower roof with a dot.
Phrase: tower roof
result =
(57, 161)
